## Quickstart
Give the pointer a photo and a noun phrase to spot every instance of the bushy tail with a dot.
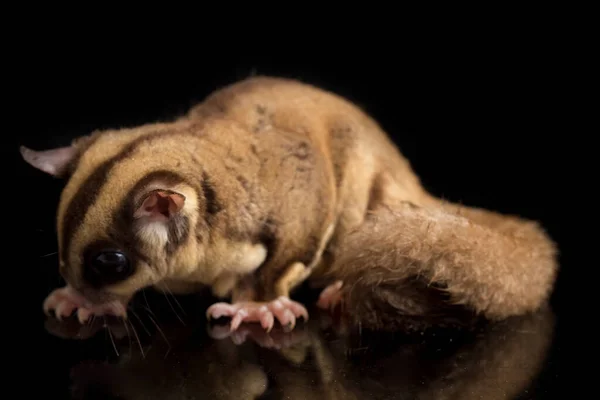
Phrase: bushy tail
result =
(418, 262)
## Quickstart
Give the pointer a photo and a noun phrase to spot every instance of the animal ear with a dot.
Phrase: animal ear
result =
(160, 205)
(53, 161)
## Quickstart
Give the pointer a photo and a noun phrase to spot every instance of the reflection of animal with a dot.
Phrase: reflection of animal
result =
(191, 369)
(256, 190)
(312, 364)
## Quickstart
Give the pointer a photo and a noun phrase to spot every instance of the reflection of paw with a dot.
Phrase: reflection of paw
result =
(335, 321)
(72, 329)
(65, 300)
(276, 339)
(331, 296)
(283, 308)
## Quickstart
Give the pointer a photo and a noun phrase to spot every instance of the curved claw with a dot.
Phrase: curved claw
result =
(65, 301)
(285, 310)
(219, 310)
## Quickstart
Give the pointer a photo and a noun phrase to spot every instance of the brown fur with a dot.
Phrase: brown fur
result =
(426, 261)
(276, 173)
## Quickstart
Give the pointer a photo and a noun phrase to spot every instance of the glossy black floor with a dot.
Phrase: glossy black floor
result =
(469, 126)
(168, 351)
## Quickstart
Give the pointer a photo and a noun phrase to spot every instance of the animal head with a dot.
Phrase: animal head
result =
(128, 212)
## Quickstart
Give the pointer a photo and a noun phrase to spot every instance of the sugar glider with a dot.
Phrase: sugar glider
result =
(265, 184)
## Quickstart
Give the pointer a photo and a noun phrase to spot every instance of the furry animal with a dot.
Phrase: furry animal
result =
(267, 183)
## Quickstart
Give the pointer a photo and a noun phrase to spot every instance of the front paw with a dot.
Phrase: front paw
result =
(283, 308)
(66, 300)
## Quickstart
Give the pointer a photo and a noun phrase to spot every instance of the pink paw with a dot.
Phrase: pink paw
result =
(331, 296)
(283, 308)
(66, 300)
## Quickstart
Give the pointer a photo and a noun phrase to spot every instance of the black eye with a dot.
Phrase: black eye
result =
(106, 267)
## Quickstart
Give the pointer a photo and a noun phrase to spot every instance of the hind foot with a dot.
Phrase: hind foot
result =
(331, 296)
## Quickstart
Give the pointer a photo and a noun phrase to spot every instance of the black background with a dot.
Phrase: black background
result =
(480, 118)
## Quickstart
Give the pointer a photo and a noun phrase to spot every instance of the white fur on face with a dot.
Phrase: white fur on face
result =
(153, 233)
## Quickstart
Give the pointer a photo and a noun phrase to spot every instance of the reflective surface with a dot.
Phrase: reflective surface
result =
(438, 112)
(167, 350)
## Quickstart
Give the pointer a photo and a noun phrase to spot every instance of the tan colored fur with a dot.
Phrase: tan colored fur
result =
(295, 170)
(495, 265)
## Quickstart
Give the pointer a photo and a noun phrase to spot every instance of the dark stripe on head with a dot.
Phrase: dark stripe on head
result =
(88, 192)
(84, 198)
(207, 197)
(212, 205)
